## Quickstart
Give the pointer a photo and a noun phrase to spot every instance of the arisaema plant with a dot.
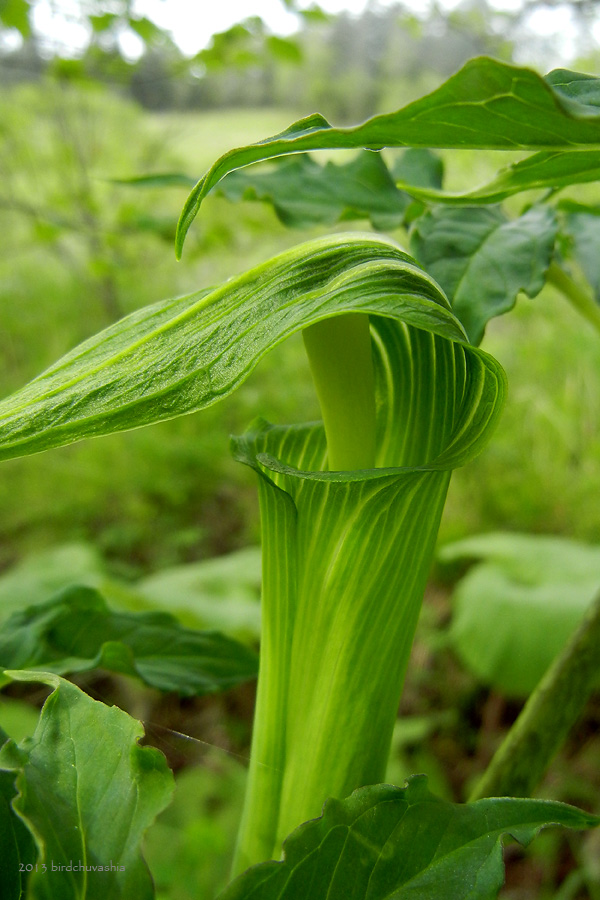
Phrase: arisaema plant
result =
(350, 507)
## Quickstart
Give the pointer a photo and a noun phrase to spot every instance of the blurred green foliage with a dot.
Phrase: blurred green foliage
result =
(190, 848)
(80, 250)
(523, 586)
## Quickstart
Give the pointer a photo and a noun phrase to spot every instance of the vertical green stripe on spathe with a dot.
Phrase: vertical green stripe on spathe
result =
(346, 558)
(267, 760)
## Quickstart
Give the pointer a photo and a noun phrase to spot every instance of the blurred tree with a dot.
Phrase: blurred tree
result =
(55, 201)
(239, 67)
(346, 66)
(104, 22)
(15, 14)
(153, 79)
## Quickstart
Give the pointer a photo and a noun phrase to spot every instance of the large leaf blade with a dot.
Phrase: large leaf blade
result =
(75, 631)
(18, 850)
(87, 791)
(182, 355)
(364, 847)
(553, 170)
(483, 260)
(303, 193)
(581, 228)
(487, 104)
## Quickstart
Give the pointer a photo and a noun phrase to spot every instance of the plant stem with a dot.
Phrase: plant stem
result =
(546, 719)
(339, 352)
(579, 297)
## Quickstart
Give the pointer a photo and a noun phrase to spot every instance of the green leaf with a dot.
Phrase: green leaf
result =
(88, 791)
(75, 631)
(189, 847)
(314, 15)
(420, 167)
(582, 226)
(483, 259)
(158, 179)
(40, 575)
(182, 355)
(144, 28)
(487, 104)
(524, 587)
(15, 14)
(284, 49)
(303, 193)
(581, 89)
(241, 45)
(548, 716)
(103, 22)
(18, 718)
(541, 170)
(17, 846)
(386, 843)
(221, 593)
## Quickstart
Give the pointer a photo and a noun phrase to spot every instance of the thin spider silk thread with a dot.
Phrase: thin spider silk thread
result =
(154, 726)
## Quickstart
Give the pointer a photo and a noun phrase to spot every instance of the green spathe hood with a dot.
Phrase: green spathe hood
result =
(180, 356)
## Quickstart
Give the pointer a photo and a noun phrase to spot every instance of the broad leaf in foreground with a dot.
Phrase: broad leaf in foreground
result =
(389, 843)
(75, 631)
(487, 104)
(482, 259)
(87, 791)
(17, 847)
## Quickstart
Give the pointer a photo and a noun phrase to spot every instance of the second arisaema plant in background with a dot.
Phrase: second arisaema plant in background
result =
(350, 510)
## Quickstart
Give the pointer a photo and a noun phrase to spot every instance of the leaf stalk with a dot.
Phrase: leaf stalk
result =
(580, 299)
(546, 719)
